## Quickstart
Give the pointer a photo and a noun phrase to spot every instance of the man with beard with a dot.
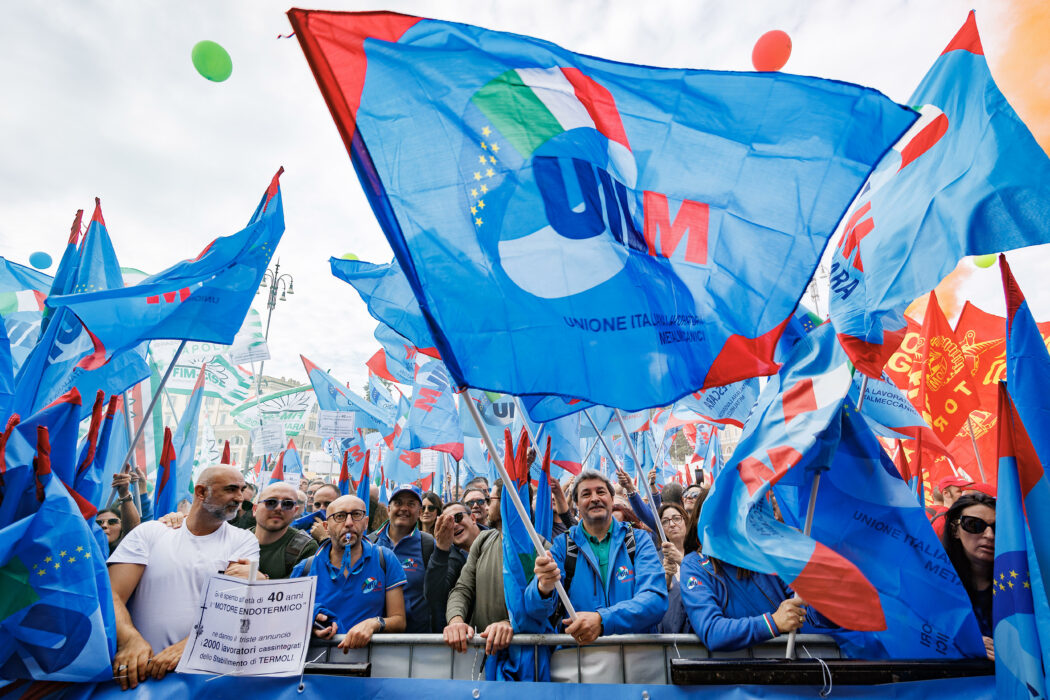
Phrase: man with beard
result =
(614, 579)
(166, 570)
(280, 547)
(477, 501)
(454, 532)
(360, 585)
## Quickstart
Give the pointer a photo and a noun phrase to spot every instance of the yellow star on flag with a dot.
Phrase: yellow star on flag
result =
(1027, 585)
(474, 193)
(492, 160)
(1002, 587)
(473, 210)
(62, 553)
(47, 560)
(481, 159)
(495, 148)
(1013, 574)
(477, 221)
(88, 555)
(489, 172)
(1010, 584)
(484, 189)
(71, 560)
(481, 204)
(485, 131)
(80, 549)
(484, 145)
(477, 175)
(57, 565)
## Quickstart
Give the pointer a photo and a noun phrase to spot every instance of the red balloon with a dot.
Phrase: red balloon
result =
(771, 51)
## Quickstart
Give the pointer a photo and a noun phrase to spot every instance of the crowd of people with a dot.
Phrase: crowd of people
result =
(422, 565)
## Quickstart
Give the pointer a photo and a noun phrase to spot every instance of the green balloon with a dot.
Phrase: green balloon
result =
(212, 61)
(349, 256)
(985, 260)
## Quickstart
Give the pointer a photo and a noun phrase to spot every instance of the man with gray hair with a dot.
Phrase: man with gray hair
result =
(614, 579)
(166, 570)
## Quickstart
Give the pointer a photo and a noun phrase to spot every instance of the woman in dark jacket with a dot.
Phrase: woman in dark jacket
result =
(969, 540)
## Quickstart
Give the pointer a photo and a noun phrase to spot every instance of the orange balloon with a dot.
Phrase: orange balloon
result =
(771, 51)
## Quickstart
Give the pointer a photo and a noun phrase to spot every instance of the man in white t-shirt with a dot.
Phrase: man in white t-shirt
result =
(167, 569)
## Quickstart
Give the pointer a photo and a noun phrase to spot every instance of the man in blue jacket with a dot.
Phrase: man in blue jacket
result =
(614, 579)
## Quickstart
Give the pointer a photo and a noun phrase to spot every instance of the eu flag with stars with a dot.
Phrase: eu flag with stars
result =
(582, 227)
(56, 608)
(1021, 624)
(967, 179)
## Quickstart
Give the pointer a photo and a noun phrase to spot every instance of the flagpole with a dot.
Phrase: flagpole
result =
(601, 438)
(136, 495)
(152, 403)
(642, 478)
(806, 530)
(532, 438)
(589, 451)
(973, 441)
(508, 489)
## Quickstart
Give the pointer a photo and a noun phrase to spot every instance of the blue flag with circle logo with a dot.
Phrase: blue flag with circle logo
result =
(580, 227)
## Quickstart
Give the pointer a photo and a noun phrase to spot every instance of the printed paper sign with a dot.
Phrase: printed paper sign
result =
(251, 629)
(271, 438)
(336, 424)
(428, 461)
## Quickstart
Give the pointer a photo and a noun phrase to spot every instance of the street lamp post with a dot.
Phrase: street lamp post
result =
(275, 282)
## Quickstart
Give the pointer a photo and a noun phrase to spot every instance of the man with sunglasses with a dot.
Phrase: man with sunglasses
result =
(280, 547)
(454, 532)
(477, 501)
(360, 585)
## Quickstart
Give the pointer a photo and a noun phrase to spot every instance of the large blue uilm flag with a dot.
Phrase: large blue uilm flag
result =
(579, 227)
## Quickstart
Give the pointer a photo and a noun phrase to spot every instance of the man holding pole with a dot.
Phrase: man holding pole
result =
(613, 579)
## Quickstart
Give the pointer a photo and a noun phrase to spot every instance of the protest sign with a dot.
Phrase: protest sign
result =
(260, 628)
(336, 424)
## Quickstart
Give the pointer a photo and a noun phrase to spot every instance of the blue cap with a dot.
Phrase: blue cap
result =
(407, 488)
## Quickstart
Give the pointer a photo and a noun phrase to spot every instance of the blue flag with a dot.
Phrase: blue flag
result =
(1028, 378)
(166, 491)
(433, 420)
(22, 294)
(543, 515)
(56, 614)
(386, 291)
(184, 440)
(112, 446)
(378, 394)
(787, 432)
(868, 514)
(65, 275)
(69, 354)
(967, 179)
(61, 419)
(91, 479)
(333, 396)
(400, 353)
(363, 486)
(205, 298)
(576, 226)
(1021, 624)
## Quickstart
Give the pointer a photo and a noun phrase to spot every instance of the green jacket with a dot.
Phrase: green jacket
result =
(477, 596)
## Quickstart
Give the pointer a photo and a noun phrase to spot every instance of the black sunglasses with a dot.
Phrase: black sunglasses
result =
(108, 521)
(274, 503)
(428, 508)
(458, 517)
(975, 525)
(476, 502)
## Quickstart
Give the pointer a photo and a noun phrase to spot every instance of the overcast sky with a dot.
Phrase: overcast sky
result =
(103, 100)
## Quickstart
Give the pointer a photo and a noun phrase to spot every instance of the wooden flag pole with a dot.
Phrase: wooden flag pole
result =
(642, 478)
(508, 489)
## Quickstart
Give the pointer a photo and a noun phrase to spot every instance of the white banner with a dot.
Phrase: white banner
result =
(251, 629)
(271, 438)
(336, 424)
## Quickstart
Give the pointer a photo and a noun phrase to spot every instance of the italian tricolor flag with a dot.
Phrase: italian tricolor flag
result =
(529, 106)
(24, 300)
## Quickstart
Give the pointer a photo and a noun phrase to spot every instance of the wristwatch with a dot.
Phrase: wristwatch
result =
(382, 622)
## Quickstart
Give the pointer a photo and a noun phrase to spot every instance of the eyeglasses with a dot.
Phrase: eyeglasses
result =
(975, 525)
(691, 495)
(458, 517)
(322, 505)
(275, 503)
(108, 521)
(427, 508)
(476, 503)
(355, 515)
(675, 519)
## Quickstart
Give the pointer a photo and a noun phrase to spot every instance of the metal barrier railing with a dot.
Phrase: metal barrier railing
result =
(627, 658)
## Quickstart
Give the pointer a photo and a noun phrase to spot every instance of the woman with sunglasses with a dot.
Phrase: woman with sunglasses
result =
(432, 507)
(969, 540)
(112, 527)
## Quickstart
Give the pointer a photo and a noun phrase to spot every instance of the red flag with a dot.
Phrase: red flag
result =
(225, 453)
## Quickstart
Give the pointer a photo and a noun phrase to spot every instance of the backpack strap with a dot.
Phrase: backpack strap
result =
(294, 549)
(628, 542)
(427, 545)
(572, 553)
(308, 565)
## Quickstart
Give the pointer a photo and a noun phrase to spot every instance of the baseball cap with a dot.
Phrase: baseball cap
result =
(952, 481)
(981, 487)
(408, 488)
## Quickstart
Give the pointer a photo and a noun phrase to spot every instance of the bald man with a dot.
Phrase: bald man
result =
(360, 585)
(167, 569)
